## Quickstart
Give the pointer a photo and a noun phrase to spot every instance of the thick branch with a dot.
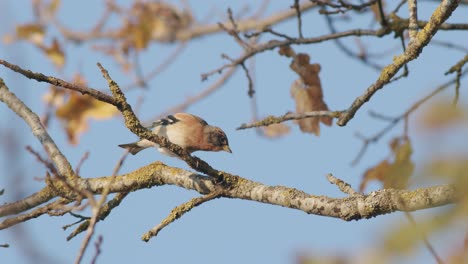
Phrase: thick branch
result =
(36, 199)
(351, 208)
(37, 129)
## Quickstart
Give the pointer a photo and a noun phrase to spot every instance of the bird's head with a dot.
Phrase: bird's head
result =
(217, 139)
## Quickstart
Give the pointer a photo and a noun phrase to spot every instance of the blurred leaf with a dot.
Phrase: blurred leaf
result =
(443, 114)
(459, 255)
(276, 130)
(454, 168)
(76, 112)
(8, 39)
(52, 7)
(455, 171)
(405, 238)
(153, 21)
(141, 34)
(169, 20)
(31, 32)
(394, 174)
(55, 53)
(55, 97)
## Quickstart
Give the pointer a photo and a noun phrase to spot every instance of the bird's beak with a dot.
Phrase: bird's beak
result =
(227, 148)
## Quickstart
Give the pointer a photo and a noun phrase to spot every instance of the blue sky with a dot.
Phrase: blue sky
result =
(223, 230)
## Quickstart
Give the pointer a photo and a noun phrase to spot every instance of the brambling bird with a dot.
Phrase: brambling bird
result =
(185, 130)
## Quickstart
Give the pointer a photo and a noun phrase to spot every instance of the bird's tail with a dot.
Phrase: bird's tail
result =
(133, 148)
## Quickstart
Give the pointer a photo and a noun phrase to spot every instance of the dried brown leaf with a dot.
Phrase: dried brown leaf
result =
(52, 7)
(310, 98)
(153, 21)
(394, 173)
(307, 92)
(377, 173)
(276, 130)
(32, 32)
(443, 114)
(55, 97)
(76, 112)
(309, 73)
(286, 51)
(55, 53)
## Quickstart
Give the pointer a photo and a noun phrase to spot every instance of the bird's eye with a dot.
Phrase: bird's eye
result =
(222, 140)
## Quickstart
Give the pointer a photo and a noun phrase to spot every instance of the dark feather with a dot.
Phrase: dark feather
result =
(133, 148)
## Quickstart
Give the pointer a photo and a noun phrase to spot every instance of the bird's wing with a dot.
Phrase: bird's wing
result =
(166, 121)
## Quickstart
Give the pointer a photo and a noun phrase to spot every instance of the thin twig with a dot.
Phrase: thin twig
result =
(449, 45)
(267, 30)
(34, 214)
(97, 208)
(80, 219)
(105, 211)
(46, 162)
(81, 162)
(61, 83)
(139, 75)
(394, 121)
(458, 69)
(344, 6)
(171, 58)
(289, 116)
(342, 185)
(97, 246)
(425, 239)
(413, 19)
(107, 208)
(299, 20)
(400, 5)
(443, 12)
(405, 72)
(383, 19)
(346, 50)
(251, 90)
(272, 44)
(179, 211)
(234, 31)
(198, 97)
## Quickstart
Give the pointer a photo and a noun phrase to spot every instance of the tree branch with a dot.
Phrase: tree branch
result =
(198, 30)
(289, 116)
(443, 11)
(61, 83)
(179, 211)
(38, 130)
(350, 208)
(395, 120)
